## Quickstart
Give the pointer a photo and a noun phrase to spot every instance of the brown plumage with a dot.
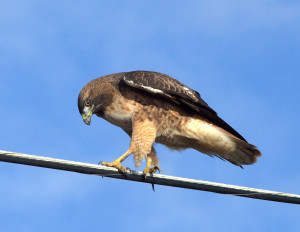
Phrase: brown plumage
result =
(154, 107)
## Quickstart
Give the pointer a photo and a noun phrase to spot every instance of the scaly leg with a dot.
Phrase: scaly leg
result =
(152, 160)
(117, 163)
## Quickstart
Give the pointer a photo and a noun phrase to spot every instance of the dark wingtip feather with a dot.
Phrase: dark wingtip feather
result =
(245, 153)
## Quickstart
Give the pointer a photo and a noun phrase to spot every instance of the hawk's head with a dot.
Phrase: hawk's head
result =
(89, 101)
(94, 97)
(86, 107)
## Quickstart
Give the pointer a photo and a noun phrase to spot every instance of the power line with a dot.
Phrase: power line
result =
(92, 169)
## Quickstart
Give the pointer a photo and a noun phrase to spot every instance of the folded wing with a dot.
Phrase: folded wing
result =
(172, 90)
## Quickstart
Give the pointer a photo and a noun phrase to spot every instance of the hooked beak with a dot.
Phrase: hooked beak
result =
(86, 119)
(87, 115)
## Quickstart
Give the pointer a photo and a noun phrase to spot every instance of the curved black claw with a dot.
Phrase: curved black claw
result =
(157, 169)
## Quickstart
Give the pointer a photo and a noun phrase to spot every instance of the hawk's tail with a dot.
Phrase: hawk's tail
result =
(243, 154)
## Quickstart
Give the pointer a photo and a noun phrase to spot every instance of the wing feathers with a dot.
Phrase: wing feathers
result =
(158, 83)
(161, 84)
(244, 153)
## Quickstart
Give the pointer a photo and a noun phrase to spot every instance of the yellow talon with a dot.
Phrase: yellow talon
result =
(115, 164)
(148, 169)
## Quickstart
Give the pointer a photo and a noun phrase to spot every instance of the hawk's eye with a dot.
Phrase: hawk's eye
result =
(88, 103)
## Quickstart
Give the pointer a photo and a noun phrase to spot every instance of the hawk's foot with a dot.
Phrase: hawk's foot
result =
(115, 164)
(149, 170)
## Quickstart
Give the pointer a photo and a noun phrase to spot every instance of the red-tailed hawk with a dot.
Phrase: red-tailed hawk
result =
(154, 107)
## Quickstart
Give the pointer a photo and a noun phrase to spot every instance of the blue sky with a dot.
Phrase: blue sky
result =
(242, 56)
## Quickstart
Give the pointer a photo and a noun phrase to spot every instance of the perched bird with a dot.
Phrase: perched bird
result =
(154, 107)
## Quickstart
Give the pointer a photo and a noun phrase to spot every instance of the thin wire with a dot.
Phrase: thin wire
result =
(158, 179)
